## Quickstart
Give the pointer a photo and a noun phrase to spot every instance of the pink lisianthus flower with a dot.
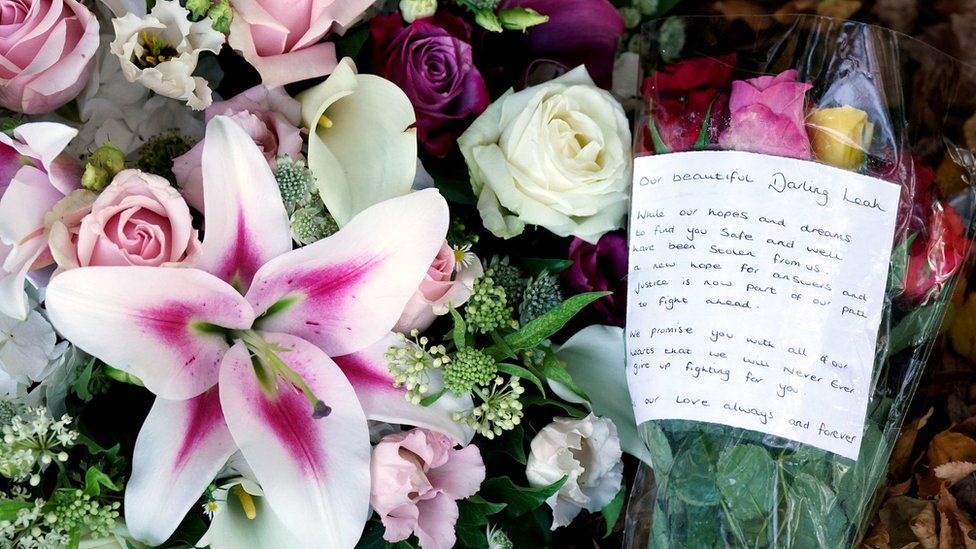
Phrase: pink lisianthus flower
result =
(282, 40)
(272, 119)
(139, 219)
(447, 284)
(34, 176)
(47, 52)
(768, 116)
(417, 478)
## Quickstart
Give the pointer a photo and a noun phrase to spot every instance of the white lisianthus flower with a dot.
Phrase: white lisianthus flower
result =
(557, 155)
(587, 452)
(411, 10)
(161, 51)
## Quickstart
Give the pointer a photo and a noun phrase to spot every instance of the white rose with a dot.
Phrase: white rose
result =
(556, 155)
(587, 452)
(166, 47)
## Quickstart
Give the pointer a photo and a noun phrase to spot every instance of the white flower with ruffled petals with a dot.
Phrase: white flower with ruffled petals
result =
(161, 51)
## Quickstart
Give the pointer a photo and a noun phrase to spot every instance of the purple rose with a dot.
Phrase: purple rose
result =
(430, 59)
(768, 116)
(601, 267)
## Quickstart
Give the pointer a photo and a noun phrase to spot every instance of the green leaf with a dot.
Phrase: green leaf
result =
(899, 263)
(372, 537)
(746, 477)
(95, 479)
(917, 326)
(512, 444)
(554, 370)
(535, 266)
(501, 350)
(454, 184)
(460, 328)
(473, 514)
(429, 400)
(702, 142)
(70, 112)
(352, 43)
(533, 400)
(815, 519)
(658, 446)
(539, 329)
(693, 476)
(81, 384)
(521, 373)
(612, 511)
(519, 499)
(9, 508)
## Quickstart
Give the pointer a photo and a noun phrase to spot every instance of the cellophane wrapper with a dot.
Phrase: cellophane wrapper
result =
(915, 99)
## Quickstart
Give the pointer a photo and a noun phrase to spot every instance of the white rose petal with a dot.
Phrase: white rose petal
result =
(557, 155)
(587, 452)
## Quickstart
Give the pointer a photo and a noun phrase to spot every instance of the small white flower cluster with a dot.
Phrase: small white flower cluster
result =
(500, 410)
(410, 363)
(27, 531)
(31, 441)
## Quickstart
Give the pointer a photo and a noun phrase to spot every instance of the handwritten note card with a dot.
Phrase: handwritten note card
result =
(755, 293)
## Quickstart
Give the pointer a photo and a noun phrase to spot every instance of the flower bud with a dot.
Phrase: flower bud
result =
(488, 20)
(220, 17)
(102, 166)
(198, 8)
(411, 10)
(840, 136)
(521, 18)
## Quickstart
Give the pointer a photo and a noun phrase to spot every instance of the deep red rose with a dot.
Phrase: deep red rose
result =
(601, 267)
(684, 95)
(430, 60)
(938, 257)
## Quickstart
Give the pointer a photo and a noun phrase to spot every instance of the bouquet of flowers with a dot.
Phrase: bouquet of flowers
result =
(835, 135)
(312, 273)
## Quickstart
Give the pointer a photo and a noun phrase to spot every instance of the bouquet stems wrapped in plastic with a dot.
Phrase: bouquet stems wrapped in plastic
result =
(846, 96)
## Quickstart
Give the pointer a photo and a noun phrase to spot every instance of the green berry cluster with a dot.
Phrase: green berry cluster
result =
(469, 367)
(487, 309)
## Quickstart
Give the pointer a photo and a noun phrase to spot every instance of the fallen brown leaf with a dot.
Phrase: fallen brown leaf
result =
(897, 515)
(924, 527)
(901, 455)
(955, 471)
(838, 8)
(877, 537)
(948, 446)
(743, 9)
(955, 527)
(962, 332)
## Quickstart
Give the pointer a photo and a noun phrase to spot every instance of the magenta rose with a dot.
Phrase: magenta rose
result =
(601, 267)
(430, 60)
(269, 116)
(767, 116)
(47, 51)
(139, 219)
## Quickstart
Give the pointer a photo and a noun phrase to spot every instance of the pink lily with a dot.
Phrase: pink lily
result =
(237, 349)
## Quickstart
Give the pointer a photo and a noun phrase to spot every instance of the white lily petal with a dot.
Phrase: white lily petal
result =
(595, 358)
(152, 322)
(347, 291)
(183, 444)
(368, 372)
(315, 472)
(246, 222)
(365, 149)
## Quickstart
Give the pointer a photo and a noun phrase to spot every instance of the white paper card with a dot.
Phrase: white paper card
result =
(755, 293)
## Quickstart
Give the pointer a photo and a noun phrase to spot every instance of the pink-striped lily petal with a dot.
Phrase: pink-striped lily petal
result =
(369, 374)
(314, 472)
(246, 222)
(347, 291)
(156, 323)
(182, 446)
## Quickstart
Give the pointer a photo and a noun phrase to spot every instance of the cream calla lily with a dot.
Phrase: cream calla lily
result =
(244, 520)
(363, 146)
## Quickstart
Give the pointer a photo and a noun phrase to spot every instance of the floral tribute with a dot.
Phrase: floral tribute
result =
(316, 273)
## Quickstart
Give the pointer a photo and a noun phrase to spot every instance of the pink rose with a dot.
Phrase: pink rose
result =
(34, 176)
(270, 116)
(768, 116)
(417, 478)
(282, 39)
(139, 219)
(444, 285)
(47, 50)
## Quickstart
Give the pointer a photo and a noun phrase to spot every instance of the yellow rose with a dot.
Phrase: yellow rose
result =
(840, 135)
